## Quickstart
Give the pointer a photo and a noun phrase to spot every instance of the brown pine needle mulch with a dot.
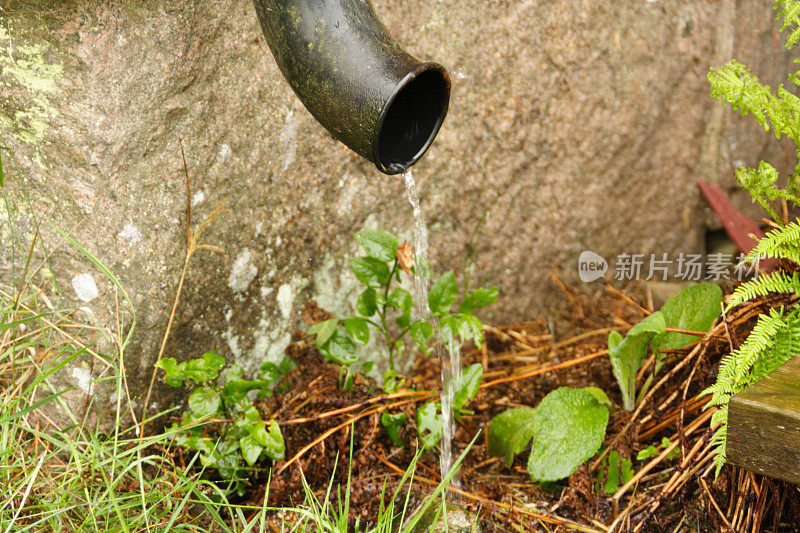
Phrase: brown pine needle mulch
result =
(675, 490)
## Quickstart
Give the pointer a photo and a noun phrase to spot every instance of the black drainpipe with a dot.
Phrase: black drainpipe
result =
(355, 79)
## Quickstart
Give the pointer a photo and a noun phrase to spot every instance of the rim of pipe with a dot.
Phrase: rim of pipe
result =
(411, 118)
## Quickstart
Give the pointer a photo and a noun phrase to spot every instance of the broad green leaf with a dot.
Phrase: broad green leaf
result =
(225, 458)
(448, 330)
(510, 432)
(195, 442)
(626, 356)
(266, 435)
(323, 331)
(370, 271)
(468, 383)
(357, 328)
(401, 299)
(694, 308)
(274, 445)
(392, 381)
(478, 298)
(443, 294)
(378, 243)
(235, 391)
(460, 328)
(392, 424)
(205, 368)
(570, 425)
(204, 401)
(250, 449)
(470, 328)
(367, 304)
(340, 349)
(429, 425)
(173, 371)
(403, 320)
(270, 372)
(421, 333)
(286, 365)
(600, 395)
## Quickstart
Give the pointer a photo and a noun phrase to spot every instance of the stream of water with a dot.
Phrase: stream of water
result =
(451, 360)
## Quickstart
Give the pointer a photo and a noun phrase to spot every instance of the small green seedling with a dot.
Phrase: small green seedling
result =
(429, 415)
(238, 433)
(617, 471)
(694, 309)
(387, 309)
(566, 429)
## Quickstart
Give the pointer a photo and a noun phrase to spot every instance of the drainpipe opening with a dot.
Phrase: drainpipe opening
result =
(412, 117)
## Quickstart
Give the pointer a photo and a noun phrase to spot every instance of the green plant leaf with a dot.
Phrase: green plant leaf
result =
(195, 441)
(694, 308)
(460, 328)
(250, 449)
(204, 401)
(173, 371)
(367, 304)
(340, 349)
(272, 441)
(323, 331)
(401, 299)
(612, 472)
(378, 243)
(470, 328)
(421, 333)
(478, 298)
(370, 271)
(510, 432)
(235, 391)
(443, 294)
(270, 372)
(570, 425)
(1, 168)
(429, 424)
(600, 395)
(286, 365)
(392, 424)
(626, 354)
(205, 368)
(357, 328)
(650, 451)
(468, 383)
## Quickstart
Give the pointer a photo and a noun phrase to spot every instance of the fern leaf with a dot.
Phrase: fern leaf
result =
(783, 243)
(774, 340)
(774, 282)
(790, 11)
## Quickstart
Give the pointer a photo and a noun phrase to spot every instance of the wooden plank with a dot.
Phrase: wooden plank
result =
(764, 425)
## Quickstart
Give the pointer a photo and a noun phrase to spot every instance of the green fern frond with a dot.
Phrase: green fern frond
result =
(783, 243)
(774, 282)
(774, 340)
(790, 11)
(776, 335)
(735, 85)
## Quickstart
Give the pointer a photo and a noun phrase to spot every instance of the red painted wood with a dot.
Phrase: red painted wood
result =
(742, 230)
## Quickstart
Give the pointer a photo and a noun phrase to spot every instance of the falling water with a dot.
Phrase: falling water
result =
(451, 369)
(421, 273)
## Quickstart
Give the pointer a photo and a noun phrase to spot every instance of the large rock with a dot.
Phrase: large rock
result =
(575, 125)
